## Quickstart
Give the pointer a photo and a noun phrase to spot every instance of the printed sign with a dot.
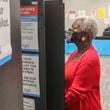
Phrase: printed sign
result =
(72, 14)
(81, 13)
(5, 31)
(30, 71)
(29, 28)
(29, 104)
(101, 13)
(106, 21)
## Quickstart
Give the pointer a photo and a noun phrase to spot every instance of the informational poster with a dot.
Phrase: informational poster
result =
(29, 28)
(93, 13)
(106, 20)
(81, 12)
(5, 32)
(72, 14)
(101, 13)
(30, 71)
(29, 104)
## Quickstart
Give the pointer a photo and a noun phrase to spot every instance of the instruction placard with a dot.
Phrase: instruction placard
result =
(30, 71)
(29, 104)
(29, 28)
(5, 32)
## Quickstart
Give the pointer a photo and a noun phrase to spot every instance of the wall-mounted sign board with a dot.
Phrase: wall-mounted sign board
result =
(30, 71)
(5, 32)
(29, 104)
(29, 28)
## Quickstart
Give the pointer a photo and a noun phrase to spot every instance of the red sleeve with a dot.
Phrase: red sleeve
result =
(83, 82)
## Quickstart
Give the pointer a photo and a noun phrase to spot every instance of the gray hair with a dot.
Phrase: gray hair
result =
(87, 24)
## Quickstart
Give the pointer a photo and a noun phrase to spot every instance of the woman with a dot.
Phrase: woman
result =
(82, 70)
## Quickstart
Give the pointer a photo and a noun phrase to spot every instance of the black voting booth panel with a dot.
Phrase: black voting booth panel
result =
(51, 46)
(42, 56)
(10, 72)
(54, 43)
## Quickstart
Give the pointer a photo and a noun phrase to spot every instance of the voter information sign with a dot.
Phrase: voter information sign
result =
(30, 71)
(29, 104)
(5, 32)
(29, 28)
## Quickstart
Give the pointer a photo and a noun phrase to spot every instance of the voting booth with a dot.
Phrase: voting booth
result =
(10, 56)
(42, 39)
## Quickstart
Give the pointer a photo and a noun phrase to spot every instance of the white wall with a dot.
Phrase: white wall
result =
(88, 5)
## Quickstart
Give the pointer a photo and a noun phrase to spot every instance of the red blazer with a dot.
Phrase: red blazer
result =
(82, 81)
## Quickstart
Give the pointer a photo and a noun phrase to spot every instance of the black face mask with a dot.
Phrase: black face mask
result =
(75, 36)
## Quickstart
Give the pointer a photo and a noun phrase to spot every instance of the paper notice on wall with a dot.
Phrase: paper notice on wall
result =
(29, 104)
(81, 13)
(29, 28)
(5, 32)
(93, 13)
(30, 71)
(101, 13)
(72, 14)
(106, 20)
